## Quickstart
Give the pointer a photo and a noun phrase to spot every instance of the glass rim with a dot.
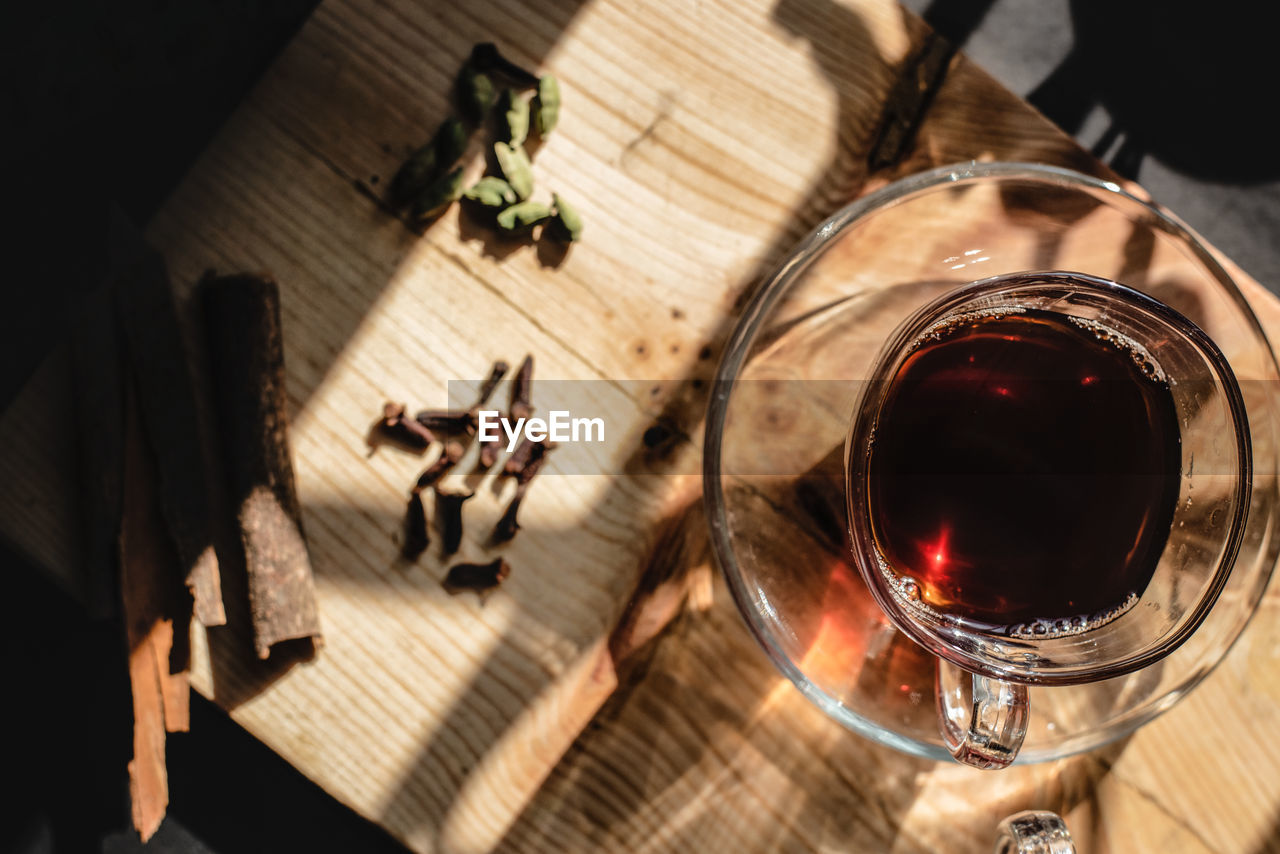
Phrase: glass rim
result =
(932, 633)
(738, 347)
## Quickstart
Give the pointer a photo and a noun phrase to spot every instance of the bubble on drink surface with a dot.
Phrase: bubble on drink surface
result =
(904, 588)
(948, 325)
(1142, 357)
(1061, 628)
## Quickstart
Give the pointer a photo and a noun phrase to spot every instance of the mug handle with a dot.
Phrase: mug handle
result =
(983, 720)
(1034, 832)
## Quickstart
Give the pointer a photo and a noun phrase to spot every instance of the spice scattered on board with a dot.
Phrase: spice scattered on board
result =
(448, 458)
(478, 577)
(485, 57)
(513, 110)
(521, 217)
(566, 220)
(449, 517)
(459, 428)
(516, 167)
(155, 360)
(437, 197)
(416, 539)
(446, 420)
(242, 318)
(429, 181)
(491, 192)
(521, 389)
(546, 105)
(524, 472)
(395, 427)
(429, 162)
(496, 373)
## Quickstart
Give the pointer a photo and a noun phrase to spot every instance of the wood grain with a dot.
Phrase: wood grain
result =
(699, 141)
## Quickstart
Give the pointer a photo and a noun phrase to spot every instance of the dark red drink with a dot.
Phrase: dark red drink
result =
(1024, 472)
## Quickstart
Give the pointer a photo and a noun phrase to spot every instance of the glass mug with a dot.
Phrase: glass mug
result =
(843, 309)
(1054, 440)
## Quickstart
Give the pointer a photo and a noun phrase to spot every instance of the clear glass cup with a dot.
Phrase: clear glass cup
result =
(982, 701)
(796, 367)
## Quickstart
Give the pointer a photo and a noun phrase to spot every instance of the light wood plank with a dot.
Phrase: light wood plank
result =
(700, 142)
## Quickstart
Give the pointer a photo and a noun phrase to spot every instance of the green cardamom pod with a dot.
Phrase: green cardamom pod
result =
(514, 110)
(485, 57)
(546, 105)
(523, 216)
(428, 162)
(475, 93)
(450, 142)
(414, 175)
(568, 224)
(492, 192)
(437, 197)
(516, 168)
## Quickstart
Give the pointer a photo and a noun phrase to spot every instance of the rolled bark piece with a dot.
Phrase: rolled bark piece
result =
(99, 411)
(157, 616)
(246, 354)
(159, 366)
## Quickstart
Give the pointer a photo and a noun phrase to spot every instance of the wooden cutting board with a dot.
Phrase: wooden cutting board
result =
(700, 141)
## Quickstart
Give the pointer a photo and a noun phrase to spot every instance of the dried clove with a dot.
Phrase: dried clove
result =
(489, 450)
(447, 460)
(521, 388)
(508, 525)
(447, 420)
(537, 459)
(489, 454)
(478, 577)
(496, 373)
(485, 57)
(415, 528)
(520, 457)
(546, 105)
(449, 517)
(404, 431)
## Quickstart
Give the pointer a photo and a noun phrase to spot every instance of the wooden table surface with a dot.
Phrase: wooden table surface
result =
(700, 140)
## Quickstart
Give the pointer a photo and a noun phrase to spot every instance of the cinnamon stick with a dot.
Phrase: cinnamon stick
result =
(99, 413)
(157, 616)
(242, 316)
(158, 364)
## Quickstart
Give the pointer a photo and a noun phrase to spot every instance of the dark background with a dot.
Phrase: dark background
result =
(109, 104)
